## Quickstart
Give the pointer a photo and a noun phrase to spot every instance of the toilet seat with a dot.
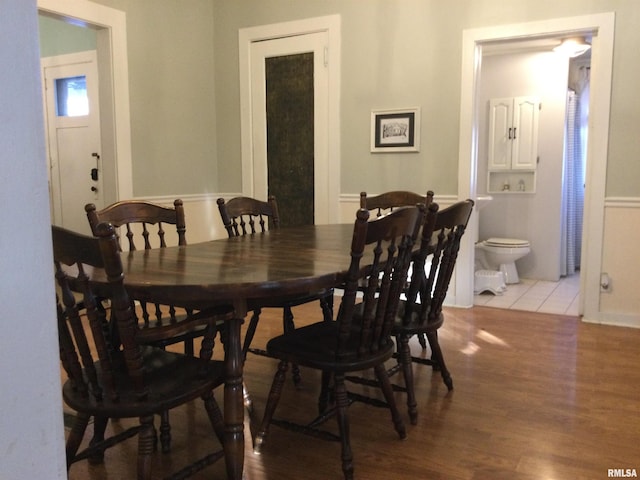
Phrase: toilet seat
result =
(506, 242)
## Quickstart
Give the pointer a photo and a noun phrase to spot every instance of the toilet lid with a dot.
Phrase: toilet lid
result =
(506, 242)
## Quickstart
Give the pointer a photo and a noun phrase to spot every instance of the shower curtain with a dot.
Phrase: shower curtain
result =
(573, 187)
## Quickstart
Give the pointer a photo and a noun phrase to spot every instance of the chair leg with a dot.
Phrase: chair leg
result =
(99, 427)
(289, 326)
(422, 340)
(188, 347)
(251, 331)
(165, 432)
(342, 406)
(439, 359)
(75, 436)
(326, 303)
(215, 415)
(387, 390)
(145, 447)
(324, 398)
(207, 344)
(404, 358)
(270, 408)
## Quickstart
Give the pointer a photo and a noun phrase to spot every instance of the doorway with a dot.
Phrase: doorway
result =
(72, 114)
(602, 26)
(543, 209)
(289, 90)
(111, 58)
(322, 37)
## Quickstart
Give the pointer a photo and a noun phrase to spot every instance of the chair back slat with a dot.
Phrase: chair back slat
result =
(390, 239)
(247, 216)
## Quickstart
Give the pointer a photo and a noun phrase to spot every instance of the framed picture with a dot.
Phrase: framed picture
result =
(395, 130)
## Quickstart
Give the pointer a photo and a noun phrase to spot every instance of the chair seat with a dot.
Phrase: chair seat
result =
(413, 324)
(315, 346)
(293, 301)
(173, 380)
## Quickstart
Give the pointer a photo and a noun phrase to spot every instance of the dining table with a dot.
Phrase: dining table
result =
(280, 263)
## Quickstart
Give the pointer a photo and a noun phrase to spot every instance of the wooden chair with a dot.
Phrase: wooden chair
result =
(110, 375)
(349, 344)
(421, 312)
(387, 201)
(143, 225)
(245, 215)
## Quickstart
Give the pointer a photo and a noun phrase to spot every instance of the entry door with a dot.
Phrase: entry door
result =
(289, 85)
(73, 139)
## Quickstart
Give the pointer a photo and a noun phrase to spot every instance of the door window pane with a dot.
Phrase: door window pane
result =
(71, 97)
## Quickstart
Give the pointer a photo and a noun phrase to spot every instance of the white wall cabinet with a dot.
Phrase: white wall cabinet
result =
(513, 144)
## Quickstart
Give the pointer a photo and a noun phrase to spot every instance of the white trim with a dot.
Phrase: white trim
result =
(112, 35)
(622, 202)
(189, 198)
(602, 26)
(618, 320)
(330, 24)
(442, 200)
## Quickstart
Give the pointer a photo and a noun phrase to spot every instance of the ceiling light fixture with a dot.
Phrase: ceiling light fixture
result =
(572, 47)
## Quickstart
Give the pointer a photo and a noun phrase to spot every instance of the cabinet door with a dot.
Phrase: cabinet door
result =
(500, 144)
(525, 133)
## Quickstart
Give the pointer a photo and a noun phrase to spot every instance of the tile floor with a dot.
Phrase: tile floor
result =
(537, 296)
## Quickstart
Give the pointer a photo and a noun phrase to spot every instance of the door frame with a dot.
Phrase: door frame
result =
(113, 72)
(602, 26)
(327, 190)
(66, 61)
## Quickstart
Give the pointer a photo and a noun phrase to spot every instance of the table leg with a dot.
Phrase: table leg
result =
(233, 402)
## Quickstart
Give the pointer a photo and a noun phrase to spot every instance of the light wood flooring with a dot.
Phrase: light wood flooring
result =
(537, 397)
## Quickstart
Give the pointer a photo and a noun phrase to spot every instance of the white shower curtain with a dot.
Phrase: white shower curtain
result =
(573, 187)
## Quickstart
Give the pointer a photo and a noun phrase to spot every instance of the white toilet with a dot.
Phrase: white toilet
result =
(500, 254)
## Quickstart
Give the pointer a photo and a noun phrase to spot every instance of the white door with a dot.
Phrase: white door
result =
(513, 133)
(260, 51)
(73, 137)
(500, 119)
(525, 133)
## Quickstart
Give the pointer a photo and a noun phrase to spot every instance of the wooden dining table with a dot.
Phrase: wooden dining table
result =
(281, 263)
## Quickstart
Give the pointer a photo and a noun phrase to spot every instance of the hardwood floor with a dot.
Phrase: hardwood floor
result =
(537, 397)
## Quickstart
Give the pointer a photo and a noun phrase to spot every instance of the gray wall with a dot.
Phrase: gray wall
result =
(58, 37)
(397, 53)
(183, 59)
(172, 96)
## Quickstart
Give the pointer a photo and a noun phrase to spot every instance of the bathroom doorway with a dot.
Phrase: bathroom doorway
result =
(602, 27)
(543, 212)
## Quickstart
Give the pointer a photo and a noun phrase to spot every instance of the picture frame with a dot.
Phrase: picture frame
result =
(396, 130)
